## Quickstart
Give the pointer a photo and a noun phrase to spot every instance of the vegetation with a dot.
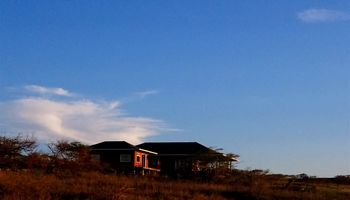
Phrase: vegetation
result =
(68, 172)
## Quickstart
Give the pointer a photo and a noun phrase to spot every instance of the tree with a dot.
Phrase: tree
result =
(71, 157)
(231, 159)
(13, 150)
(65, 150)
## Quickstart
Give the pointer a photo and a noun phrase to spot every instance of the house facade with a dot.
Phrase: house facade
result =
(172, 159)
(182, 159)
(126, 158)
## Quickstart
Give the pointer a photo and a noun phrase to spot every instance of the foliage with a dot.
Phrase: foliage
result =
(70, 151)
(64, 158)
(69, 172)
(71, 157)
(14, 149)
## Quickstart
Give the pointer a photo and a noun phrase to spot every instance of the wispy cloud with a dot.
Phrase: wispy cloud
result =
(48, 91)
(322, 15)
(83, 120)
(143, 94)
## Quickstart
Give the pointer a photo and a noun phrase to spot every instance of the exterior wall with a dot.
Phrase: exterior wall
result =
(167, 166)
(139, 163)
(113, 159)
(179, 166)
(138, 157)
(151, 161)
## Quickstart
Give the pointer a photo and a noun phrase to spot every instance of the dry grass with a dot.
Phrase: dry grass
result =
(93, 185)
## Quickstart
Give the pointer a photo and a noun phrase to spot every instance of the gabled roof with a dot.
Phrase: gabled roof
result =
(112, 145)
(176, 148)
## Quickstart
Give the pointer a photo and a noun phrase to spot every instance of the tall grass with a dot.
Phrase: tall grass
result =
(28, 185)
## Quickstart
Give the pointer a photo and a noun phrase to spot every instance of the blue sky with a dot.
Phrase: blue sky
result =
(269, 81)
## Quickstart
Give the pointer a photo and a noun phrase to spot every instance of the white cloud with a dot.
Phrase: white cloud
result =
(83, 120)
(322, 15)
(49, 91)
(143, 94)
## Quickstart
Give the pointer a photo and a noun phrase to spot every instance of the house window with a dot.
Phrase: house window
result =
(125, 158)
(137, 158)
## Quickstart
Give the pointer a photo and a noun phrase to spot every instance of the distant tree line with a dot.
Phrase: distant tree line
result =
(63, 157)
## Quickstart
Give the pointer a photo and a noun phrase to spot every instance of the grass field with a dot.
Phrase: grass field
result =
(94, 185)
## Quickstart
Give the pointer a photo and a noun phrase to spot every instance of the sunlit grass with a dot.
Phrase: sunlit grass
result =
(94, 185)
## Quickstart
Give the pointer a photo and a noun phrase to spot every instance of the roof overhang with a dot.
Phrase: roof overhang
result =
(125, 149)
(147, 151)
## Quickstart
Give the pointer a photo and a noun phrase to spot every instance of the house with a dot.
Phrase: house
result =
(126, 158)
(172, 159)
(184, 159)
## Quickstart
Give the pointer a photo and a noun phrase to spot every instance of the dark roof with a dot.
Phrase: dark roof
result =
(117, 145)
(176, 148)
(113, 145)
